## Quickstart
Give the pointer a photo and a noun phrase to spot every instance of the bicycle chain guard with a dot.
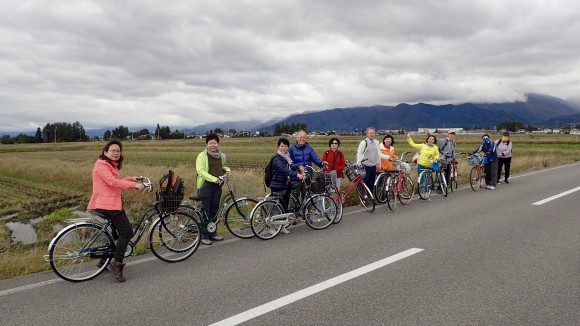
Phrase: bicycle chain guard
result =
(211, 227)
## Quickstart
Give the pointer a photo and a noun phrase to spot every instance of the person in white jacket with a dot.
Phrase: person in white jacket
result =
(369, 155)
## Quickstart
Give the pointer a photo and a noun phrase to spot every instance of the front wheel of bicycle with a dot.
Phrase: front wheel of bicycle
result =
(474, 178)
(81, 252)
(406, 191)
(392, 192)
(442, 183)
(174, 237)
(424, 185)
(261, 217)
(335, 194)
(366, 197)
(237, 217)
(320, 211)
(381, 188)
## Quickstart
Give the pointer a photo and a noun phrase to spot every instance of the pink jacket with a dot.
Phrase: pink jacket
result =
(107, 187)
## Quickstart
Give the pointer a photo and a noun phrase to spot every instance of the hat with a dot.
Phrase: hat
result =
(451, 132)
(505, 133)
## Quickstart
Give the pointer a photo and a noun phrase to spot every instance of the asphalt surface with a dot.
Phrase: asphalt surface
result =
(490, 257)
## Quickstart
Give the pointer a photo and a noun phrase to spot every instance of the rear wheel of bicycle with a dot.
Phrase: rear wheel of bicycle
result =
(442, 183)
(381, 188)
(174, 237)
(237, 217)
(474, 178)
(335, 194)
(392, 192)
(366, 197)
(261, 216)
(75, 255)
(424, 185)
(406, 191)
(320, 211)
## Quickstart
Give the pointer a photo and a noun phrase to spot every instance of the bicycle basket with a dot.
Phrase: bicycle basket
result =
(406, 167)
(350, 172)
(435, 166)
(168, 203)
(474, 160)
(319, 182)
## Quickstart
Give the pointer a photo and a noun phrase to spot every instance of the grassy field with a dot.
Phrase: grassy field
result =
(39, 179)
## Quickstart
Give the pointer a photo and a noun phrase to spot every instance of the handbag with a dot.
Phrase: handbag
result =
(416, 156)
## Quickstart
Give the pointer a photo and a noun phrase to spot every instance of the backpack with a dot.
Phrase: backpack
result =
(171, 192)
(268, 172)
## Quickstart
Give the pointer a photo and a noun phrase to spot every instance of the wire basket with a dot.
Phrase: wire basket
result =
(168, 203)
(406, 167)
(474, 160)
(352, 170)
(321, 180)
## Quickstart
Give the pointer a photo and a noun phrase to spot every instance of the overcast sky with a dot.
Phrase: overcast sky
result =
(185, 63)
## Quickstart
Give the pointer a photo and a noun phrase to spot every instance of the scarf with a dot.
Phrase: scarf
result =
(216, 155)
(285, 156)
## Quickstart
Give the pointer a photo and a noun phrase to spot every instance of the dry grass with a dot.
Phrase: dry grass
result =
(68, 168)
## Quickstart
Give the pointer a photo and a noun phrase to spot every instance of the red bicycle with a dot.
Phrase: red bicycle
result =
(395, 184)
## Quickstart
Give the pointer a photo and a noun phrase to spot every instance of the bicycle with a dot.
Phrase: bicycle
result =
(233, 211)
(355, 175)
(426, 183)
(477, 173)
(82, 250)
(454, 174)
(268, 216)
(395, 184)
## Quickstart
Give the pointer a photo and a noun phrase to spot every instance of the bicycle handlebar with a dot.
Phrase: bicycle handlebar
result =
(146, 182)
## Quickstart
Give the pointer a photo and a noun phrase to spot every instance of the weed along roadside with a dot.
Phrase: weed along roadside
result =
(41, 185)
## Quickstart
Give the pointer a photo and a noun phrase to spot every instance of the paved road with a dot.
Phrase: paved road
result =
(485, 258)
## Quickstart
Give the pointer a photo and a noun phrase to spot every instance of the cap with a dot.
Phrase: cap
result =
(505, 133)
(451, 132)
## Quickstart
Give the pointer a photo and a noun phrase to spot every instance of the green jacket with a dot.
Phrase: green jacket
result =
(202, 168)
(428, 153)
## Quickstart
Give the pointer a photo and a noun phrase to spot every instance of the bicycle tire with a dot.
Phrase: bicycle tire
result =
(380, 191)
(237, 217)
(474, 178)
(365, 197)
(174, 237)
(334, 193)
(72, 259)
(260, 217)
(406, 191)
(442, 183)
(424, 185)
(320, 211)
(391, 193)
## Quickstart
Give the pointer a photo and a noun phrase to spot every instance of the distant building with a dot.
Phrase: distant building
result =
(438, 130)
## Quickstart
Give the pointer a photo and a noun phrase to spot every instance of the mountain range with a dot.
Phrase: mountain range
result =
(537, 110)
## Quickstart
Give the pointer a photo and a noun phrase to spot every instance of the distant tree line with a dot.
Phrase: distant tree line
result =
(284, 128)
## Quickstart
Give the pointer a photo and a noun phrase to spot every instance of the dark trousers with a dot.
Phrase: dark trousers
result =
(507, 161)
(122, 227)
(370, 176)
(284, 195)
(211, 195)
(490, 174)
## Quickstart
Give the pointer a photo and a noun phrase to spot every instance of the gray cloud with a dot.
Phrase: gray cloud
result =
(184, 63)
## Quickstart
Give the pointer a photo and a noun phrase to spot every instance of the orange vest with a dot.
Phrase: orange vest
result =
(386, 164)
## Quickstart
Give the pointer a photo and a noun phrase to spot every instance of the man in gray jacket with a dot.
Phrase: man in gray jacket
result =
(447, 150)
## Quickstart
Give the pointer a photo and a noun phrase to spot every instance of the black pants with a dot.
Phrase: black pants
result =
(370, 176)
(507, 161)
(490, 174)
(123, 228)
(211, 194)
(284, 195)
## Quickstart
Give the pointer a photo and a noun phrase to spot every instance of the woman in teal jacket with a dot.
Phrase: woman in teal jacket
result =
(210, 164)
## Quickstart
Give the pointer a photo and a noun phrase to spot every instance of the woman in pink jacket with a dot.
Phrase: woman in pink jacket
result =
(106, 199)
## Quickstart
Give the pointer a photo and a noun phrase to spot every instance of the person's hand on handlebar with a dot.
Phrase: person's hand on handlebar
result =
(300, 176)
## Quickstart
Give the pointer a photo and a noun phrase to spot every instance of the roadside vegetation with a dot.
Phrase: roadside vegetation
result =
(55, 178)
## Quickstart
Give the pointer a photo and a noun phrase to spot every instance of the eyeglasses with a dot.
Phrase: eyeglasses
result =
(115, 151)
(335, 143)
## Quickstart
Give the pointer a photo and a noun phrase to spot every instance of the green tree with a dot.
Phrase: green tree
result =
(6, 139)
(107, 135)
(38, 137)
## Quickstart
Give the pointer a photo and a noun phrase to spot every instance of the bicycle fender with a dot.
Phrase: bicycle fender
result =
(66, 230)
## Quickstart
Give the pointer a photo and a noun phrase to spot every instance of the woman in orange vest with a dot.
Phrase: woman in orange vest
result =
(388, 150)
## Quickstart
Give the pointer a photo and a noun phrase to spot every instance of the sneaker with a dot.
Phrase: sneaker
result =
(217, 238)
(206, 242)
(506, 181)
(498, 182)
(486, 187)
(284, 231)
(272, 231)
(117, 270)
(491, 188)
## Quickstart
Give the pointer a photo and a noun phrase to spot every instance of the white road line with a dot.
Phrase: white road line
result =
(273, 305)
(543, 201)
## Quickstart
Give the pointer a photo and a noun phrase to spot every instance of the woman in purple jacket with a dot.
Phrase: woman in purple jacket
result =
(503, 148)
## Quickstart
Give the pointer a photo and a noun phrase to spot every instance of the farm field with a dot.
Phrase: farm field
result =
(40, 179)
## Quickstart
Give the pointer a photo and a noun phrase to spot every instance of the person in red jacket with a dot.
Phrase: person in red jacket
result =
(335, 159)
(106, 199)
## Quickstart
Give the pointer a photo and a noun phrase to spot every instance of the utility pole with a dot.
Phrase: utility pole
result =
(55, 134)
